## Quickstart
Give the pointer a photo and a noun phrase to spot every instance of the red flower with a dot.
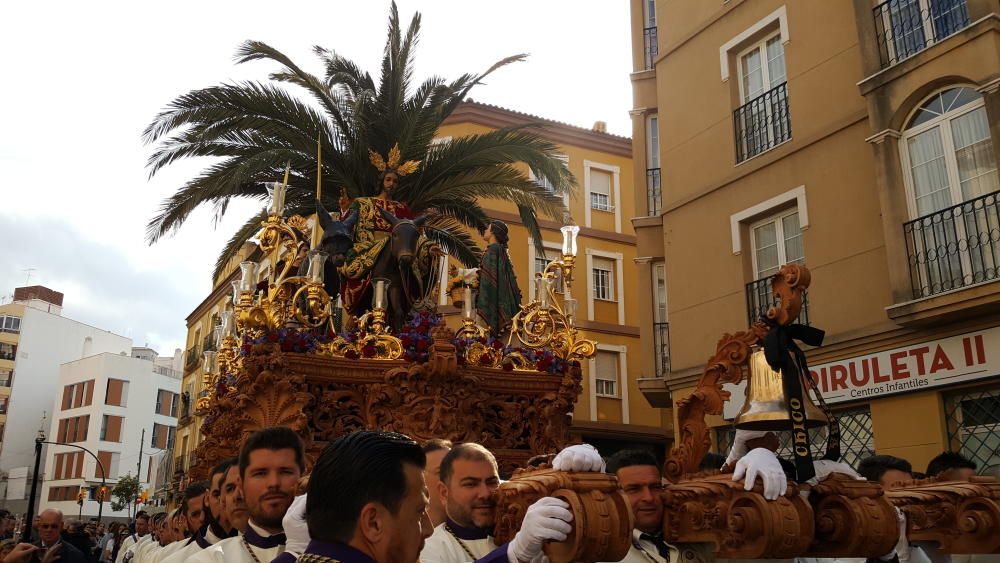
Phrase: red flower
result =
(422, 345)
(508, 366)
(497, 345)
(368, 351)
(485, 360)
(273, 337)
(351, 355)
(406, 341)
(286, 346)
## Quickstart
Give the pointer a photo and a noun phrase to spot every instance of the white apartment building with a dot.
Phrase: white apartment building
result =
(35, 339)
(121, 408)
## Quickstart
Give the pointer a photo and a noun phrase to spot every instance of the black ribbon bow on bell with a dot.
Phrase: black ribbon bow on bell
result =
(784, 355)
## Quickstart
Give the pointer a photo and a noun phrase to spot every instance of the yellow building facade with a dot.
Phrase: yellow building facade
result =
(861, 139)
(611, 412)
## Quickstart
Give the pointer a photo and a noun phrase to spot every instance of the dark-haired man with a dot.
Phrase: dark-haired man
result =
(469, 477)
(215, 527)
(367, 501)
(951, 466)
(640, 479)
(141, 531)
(270, 464)
(435, 450)
(192, 515)
(885, 469)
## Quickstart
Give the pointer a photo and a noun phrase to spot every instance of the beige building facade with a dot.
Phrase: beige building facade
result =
(861, 139)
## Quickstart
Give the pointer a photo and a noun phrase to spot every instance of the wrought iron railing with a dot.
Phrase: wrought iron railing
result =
(654, 194)
(649, 47)
(762, 123)
(905, 27)
(661, 348)
(955, 247)
(973, 421)
(208, 344)
(760, 299)
(191, 357)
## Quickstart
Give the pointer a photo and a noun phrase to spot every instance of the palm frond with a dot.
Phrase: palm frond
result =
(236, 242)
(454, 239)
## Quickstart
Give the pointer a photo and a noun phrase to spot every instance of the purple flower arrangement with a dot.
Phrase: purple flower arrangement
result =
(416, 337)
(289, 340)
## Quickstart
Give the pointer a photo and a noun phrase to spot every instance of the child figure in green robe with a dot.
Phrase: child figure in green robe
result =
(499, 298)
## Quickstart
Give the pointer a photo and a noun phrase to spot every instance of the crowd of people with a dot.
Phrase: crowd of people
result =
(381, 497)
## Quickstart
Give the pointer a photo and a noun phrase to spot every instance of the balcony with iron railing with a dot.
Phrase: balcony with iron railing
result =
(208, 344)
(762, 123)
(649, 47)
(760, 298)
(954, 248)
(191, 358)
(904, 28)
(654, 193)
(661, 348)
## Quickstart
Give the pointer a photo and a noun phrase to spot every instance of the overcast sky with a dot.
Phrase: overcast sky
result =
(82, 79)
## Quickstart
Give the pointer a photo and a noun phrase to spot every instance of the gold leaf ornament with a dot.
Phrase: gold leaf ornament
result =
(393, 163)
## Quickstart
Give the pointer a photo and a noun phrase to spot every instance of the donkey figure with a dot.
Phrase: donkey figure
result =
(395, 263)
(338, 238)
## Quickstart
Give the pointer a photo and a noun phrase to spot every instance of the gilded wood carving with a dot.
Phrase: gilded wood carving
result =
(515, 414)
(602, 522)
(958, 516)
(741, 524)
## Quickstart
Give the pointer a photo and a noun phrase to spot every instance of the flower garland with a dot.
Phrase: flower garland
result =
(289, 340)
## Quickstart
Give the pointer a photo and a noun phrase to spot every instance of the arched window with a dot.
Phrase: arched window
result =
(948, 152)
(950, 171)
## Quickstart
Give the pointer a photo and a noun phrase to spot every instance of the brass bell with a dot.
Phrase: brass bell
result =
(766, 408)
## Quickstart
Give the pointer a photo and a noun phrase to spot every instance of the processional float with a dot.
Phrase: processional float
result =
(280, 362)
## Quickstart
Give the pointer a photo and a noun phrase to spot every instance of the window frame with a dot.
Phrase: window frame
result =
(777, 219)
(614, 382)
(610, 281)
(943, 122)
(760, 46)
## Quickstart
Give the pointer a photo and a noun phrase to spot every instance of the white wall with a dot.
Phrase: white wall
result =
(139, 413)
(46, 341)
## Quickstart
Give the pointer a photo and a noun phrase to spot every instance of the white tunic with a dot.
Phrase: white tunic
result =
(144, 551)
(127, 544)
(234, 550)
(443, 547)
(644, 551)
(190, 550)
(159, 554)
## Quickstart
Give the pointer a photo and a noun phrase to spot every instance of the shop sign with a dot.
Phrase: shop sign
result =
(921, 366)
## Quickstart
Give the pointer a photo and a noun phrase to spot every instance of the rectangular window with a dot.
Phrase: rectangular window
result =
(762, 121)
(78, 394)
(973, 420)
(115, 393)
(105, 459)
(6, 377)
(600, 190)
(762, 67)
(111, 428)
(3, 405)
(162, 436)
(777, 241)
(606, 375)
(88, 391)
(661, 328)
(10, 324)
(8, 351)
(654, 192)
(603, 276)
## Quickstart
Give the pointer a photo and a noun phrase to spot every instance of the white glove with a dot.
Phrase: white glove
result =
(547, 519)
(739, 448)
(296, 528)
(582, 457)
(825, 467)
(763, 463)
